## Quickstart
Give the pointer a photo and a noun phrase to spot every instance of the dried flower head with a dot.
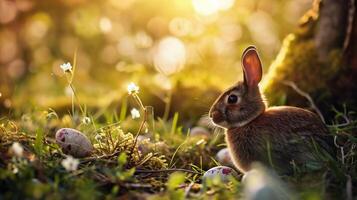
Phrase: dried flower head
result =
(133, 88)
(135, 113)
(15, 170)
(70, 163)
(66, 67)
(98, 137)
(86, 120)
(17, 149)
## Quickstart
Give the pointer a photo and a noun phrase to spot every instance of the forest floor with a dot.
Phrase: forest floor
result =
(145, 158)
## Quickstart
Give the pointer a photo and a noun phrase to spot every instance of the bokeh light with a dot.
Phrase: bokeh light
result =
(263, 30)
(209, 7)
(105, 24)
(8, 11)
(143, 40)
(119, 41)
(205, 7)
(9, 47)
(170, 55)
(180, 26)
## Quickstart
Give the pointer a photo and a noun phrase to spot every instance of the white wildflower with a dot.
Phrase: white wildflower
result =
(70, 163)
(66, 67)
(86, 120)
(15, 170)
(17, 149)
(133, 88)
(135, 113)
(98, 137)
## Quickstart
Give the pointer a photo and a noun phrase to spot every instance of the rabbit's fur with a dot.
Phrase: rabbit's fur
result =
(282, 137)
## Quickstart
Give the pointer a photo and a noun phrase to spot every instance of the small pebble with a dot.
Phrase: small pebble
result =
(73, 142)
(222, 172)
(144, 144)
(200, 132)
(142, 138)
(224, 158)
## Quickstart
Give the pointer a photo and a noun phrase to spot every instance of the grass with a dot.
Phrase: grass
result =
(168, 164)
(117, 168)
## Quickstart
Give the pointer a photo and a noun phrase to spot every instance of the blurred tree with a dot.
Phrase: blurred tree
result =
(319, 58)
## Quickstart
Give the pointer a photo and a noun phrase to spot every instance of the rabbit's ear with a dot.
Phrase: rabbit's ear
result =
(252, 67)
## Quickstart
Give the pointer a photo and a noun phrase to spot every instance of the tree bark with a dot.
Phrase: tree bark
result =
(320, 58)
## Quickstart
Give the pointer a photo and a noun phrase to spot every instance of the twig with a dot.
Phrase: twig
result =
(187, 190)
(344, 116)
(341, 149)
(313, 105)
(166, 170)
(136, 185)
(349, 188)
(307, 96)
(99, 157)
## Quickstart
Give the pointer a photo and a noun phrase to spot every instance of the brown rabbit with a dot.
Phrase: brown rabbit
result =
(284, 137)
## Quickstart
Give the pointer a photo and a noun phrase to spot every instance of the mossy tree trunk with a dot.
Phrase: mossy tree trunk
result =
(320, 58)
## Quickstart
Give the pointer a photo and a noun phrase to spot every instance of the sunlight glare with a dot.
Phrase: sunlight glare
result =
(170, 55)
(205, 7)
(225, 4)
(105, 25)
(209, 7)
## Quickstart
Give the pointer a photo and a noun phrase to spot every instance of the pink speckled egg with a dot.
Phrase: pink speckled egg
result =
(73, 142)
(223, 172)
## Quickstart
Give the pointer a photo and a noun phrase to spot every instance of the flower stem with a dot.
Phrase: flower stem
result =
(167, 105)
(143, 122)
(77, 99)
(139, 131)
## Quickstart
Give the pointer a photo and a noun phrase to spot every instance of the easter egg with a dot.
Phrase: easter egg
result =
(224, 173)
(142, 138)
(144, 144)
(73, 142)
(261, 183)
(199, 132)
(223, 157)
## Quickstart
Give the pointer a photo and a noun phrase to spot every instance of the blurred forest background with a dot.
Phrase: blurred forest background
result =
(181, 54)
(186, 48)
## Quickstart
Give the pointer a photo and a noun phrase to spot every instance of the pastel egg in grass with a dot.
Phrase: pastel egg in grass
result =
(200, 132)
(263, 183)
(145, 146)
(224, 158)
(73, 142)
(224, 173)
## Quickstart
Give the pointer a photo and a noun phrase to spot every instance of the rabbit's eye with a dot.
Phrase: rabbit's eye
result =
(232, 99)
